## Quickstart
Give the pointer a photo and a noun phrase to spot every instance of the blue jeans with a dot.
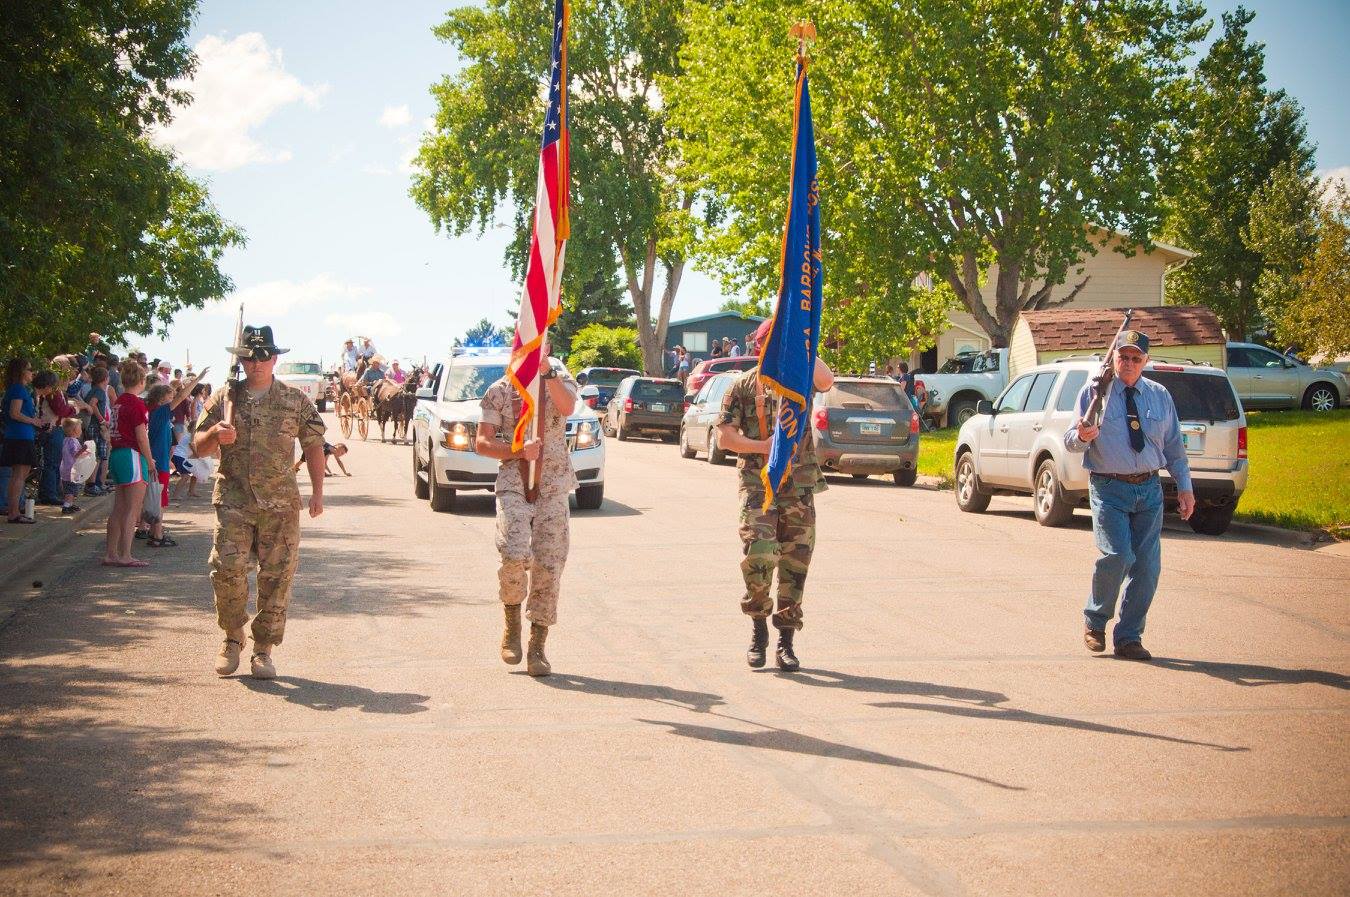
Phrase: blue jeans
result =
(50, 484)
(1127, 526)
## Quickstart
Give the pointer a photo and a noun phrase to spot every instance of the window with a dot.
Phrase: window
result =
(1198, 396)
(1040, 391)
(872, 396)
(695, 341)
(1069, 390)
(1238, 357)
(298, 367)
(985, 363)
(607, 376)
(659, 390)
(1012, 397)
(1264, 358)
(468, 383)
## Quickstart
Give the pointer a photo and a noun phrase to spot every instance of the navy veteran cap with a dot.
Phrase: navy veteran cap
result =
(1132, 339)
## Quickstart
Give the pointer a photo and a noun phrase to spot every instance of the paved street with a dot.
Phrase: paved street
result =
(948, 734)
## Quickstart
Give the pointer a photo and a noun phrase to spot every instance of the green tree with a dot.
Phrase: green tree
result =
(628, 209)
(950, 133)
(486, 333)
(1240, 133)
(750, 308)
(1316, 316)
(597, 345)
(599, 301)
(99, 228)
(1282, 230)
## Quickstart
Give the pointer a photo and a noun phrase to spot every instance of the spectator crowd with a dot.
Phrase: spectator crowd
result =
(90, 423)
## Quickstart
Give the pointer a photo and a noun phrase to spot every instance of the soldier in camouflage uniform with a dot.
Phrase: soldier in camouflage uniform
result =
(783, 537)
(532, 537)
(256, 498)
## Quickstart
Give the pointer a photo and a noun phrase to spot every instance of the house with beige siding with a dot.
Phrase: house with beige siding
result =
(1113, 281)
(1188, 334)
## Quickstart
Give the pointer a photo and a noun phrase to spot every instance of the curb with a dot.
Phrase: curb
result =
(26, 555)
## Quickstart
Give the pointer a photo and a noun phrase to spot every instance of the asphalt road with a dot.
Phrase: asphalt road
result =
(948, 734)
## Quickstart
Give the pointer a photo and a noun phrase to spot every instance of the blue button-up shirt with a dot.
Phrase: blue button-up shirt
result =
(1111, 451)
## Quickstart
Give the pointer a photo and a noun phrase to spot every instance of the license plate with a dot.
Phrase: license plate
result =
(658, 406)
(869, 429)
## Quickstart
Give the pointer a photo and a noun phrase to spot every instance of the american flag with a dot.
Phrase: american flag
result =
(541, 301)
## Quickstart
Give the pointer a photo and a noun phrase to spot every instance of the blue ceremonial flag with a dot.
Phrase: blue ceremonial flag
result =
(787, 359)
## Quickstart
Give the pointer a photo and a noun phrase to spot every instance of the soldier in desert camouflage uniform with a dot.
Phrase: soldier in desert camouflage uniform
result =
(532, 538)
(783, 537)
(256, 498)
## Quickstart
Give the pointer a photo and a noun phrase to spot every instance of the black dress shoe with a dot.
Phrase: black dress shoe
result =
(787, 660)
(759, 643)
(1133, 651)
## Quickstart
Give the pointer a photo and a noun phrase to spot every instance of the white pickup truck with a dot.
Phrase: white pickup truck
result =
(963, 382)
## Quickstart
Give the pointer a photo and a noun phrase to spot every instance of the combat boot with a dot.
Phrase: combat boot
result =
(536, 664)
(787, 660)
(227, 661)
(511, 635)
(260, 664)
(759, 643)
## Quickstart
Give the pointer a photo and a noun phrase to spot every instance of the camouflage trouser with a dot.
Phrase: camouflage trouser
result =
(274, 536)
(782, 537)
(532, 540)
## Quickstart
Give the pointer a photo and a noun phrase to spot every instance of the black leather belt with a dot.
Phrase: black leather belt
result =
(1132, 478)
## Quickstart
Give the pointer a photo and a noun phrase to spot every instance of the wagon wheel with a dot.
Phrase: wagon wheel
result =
(363, 417)
(344, 412)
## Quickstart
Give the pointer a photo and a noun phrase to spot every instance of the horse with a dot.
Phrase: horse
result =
(395, 404)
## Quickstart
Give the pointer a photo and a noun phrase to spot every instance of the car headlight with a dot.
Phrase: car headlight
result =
(587, 435)
(457, 435)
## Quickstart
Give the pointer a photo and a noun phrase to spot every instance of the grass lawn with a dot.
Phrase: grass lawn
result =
(1299, 468)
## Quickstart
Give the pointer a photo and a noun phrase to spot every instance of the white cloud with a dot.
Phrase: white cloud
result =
(376, 324)
(278, 297)
(1332, 175)
(238, 86)
(395, 116)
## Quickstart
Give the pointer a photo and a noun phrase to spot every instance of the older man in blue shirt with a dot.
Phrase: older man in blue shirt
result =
(1138, 435)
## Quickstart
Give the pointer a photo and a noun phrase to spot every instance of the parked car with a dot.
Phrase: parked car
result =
(962, 382)
(1267, 379)
(1015, 446)
(445, 427)
(605, 380)
(711, 367)
(698, 427)
(646, 406)
(865, 426)
(307, 377)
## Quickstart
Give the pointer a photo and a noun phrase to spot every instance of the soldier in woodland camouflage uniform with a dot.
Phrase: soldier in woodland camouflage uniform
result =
(532, 538)
(256, 498)
(783, 537)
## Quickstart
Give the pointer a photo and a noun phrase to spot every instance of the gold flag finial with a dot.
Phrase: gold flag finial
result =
(804, 32)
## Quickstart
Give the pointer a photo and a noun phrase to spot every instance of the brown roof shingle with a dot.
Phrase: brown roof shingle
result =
(1058, 329)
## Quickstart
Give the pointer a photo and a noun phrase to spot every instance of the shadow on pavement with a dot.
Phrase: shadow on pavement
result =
(609, 508)
(697, 701)
(775, 739)
(75, 786)
(334, 696)
(1254, 674)
(877, 685)
(1013, 715)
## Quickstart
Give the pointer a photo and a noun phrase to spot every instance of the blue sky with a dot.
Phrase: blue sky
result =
(307, 113)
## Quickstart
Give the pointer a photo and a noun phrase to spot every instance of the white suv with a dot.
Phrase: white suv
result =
(1015, 444)
(307, 377)
(445, 426)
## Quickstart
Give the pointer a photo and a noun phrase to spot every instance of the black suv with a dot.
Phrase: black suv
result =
(606, 380)
(646, 405)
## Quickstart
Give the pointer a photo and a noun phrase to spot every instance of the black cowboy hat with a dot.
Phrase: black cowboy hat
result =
(258, 344)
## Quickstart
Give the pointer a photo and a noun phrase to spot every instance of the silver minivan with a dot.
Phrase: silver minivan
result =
(1015, 444)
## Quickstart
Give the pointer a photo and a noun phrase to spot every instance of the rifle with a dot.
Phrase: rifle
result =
(236, 368)
(1101, 384)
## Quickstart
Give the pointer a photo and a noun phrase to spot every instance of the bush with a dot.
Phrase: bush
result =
(599, 346)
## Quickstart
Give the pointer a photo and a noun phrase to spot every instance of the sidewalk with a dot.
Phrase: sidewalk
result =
(25, 550)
